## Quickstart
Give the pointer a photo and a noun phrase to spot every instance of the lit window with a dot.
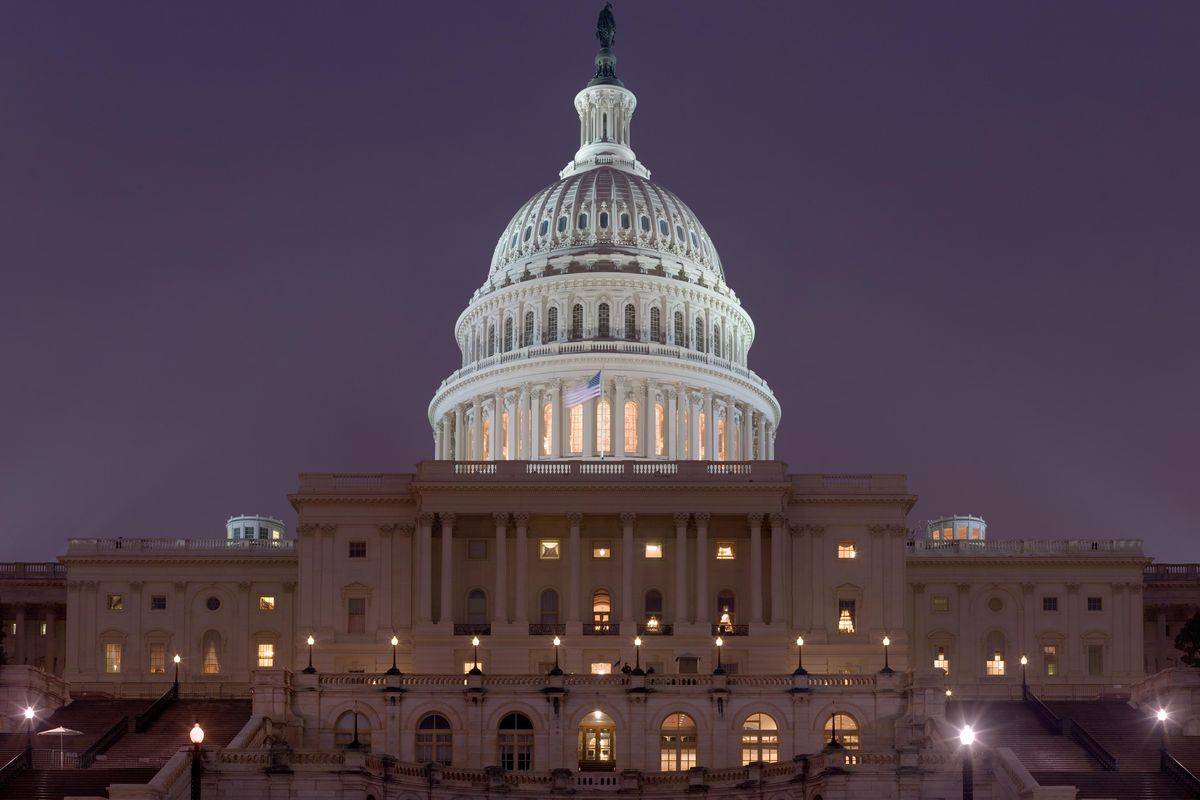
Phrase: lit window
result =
(112, 657)
(266, 654)
(266, 602)
(677, 742)
(358, 550)
(469, 665)
(1095, 604)
(847, 550)
(575, 441)
(477, 549)
(995, 665)
(660, 430)
(158, 602)
(115, 603)
(845, 616)
(654, 550)
(1050, 659)
(548, 550)
(158, 658)
(631, 426)
(43, 628)
(941, 602)
(601, 668)
(843, 729)
(601, 550)
(1049, 604)
(940, 661)
(724, 551)
(760, 739)
(603, 426)
(356, 609)
(547, 421)
(210, 647)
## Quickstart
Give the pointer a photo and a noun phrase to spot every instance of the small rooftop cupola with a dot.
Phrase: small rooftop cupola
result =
(605, 109)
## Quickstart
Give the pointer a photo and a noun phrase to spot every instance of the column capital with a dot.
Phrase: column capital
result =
(405, 529)
(628, 518)
(328, 529)
(816, 530)
(447, 518)
(798, 530)
(778, 520)
(387, 529)
(681, 519)
(755, 518)
(501, 519)
(963, 587)
(877, 531)
(521, 518)
(575, 518)
(425, 518)
(1072, 588)
(1028, 586)
(306, 529)
(1119, 588)
(702, 518)
(917, 587)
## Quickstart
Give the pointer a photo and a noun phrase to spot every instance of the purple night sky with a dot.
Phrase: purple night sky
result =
(234, 238)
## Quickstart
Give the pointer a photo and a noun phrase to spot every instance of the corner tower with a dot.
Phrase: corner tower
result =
(604, 272)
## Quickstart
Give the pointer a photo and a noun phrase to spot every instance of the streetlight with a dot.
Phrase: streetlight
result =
(1024, 685)
(355, 744)
(887, 669)
(637, 658)
(197, 736)
(475, 670)
(394, 670)
(29, 716)
(177, 659)
(1161, 716)
(949, 692)
(966, 737)
(800, 670)
(719, 670)
(557, 669)
(310, 669)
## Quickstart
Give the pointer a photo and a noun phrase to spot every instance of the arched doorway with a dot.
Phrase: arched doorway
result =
(677, 743)
(597, 743)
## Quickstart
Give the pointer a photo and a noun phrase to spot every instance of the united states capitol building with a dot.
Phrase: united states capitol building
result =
(604, 582)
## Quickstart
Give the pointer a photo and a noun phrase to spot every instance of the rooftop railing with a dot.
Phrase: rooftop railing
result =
(45, 571)
(243, 547)
(605, 470)
(1024, 547)
(1171, 571)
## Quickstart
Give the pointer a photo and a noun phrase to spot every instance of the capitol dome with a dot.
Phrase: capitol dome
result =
(605, 328)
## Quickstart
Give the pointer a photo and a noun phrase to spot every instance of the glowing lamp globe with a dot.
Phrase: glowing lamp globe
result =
(966, 735)
(196, 734)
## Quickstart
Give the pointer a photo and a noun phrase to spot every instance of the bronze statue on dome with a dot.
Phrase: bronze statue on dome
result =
(606, 27)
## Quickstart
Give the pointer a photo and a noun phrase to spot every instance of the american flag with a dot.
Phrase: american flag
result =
(583, 392)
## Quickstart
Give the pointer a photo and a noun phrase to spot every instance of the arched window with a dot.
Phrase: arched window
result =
(760, 739)
(210, 649)
(604, 219)
(476, 607)
(654, 605)
(631, 426)
(655, 324)
(843, 729)
(700, 334)
(631, 331)
(726, 609)
(548, 607)
(562, 224)
(995, 654)
(577, 321)
(575, 439)
(583, 221)
(434, 741)
(625, 221)
(660, 430)
(716, 340)
(508, 334)
(544, 228)
(527, 234)
(343, 730)
(677, 743)
(680, 340)
(604, 426)
(644, 221)
(527, 330)
(552, 324)
(664, 229)
(602, 321)
(491, 346)
(601, 610)
(547, 428)
(515, 739)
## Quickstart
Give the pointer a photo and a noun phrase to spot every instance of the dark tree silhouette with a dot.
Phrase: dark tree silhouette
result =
(1188, 641)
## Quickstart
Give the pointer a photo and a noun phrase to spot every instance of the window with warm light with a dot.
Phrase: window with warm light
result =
(266, 602)
(995, 664)
(266, 654)
(469, 665)
(660, 430)
(601, 668)
(677, 743)
(846, 616)
(43, 629)
(847, 550)
(941, 602)
(631, 426)
(1050, 659)
(940, 661)
(654, 550)
(547, 430)
(548, 550)
(724, 551)
(112, 657)
(760, 739)
(158, 658)
(210, 647)
(603, 427)
(601, 550)
(844, 729)
(116, 602)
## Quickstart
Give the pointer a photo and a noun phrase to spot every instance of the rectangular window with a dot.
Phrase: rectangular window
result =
(654, 550)
(43, 628)
(262, 533)
(468, 665)
(158, 658)
(266, 654)
(601, 668)
(688, 665)
(1049, 604)
(940, 661)
(845, 616)
(115, 603)
(266, 602)
(477, 549)
(357, 615)
(358, 550)
(847, 550)
(941, 602)
(1095, 658)
(548, 550)
(112, 657)
(1050, 659)
(1095, 604)
(601, 550)
(995, 664)
(575, 437)
(158, 602)
(725, 551)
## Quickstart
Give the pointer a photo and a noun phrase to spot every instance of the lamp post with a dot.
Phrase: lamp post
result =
(557, 669)
(637, 657)
(800, 670)
(177, 659)
(719, 670)
(949, 692)
(1024, 685)
(394, 670)
(887, 668)
(833, 744)
(310, 669)
(355, 744)
(475, 670)
(967, 737)
(29, 717)
(197, 736)
(1161, 716)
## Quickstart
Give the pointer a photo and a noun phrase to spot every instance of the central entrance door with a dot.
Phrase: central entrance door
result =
(597, 743)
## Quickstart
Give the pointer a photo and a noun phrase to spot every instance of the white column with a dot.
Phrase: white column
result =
(671, 423)
(756, 595)
(495, 443)
(747, 433)
(535, 426)
(556, 423)
(710, 425)
(627, 599)
(511, 408)
(681, 598)
(425, 565)
(477, 432)
(519, 613)
(779, 602)
(618, 419)
(500, 607)
(702, 600)
(459, 435)
(575, 518)
(648, 419)
(693, 406)
(770, 442)
(446, 616)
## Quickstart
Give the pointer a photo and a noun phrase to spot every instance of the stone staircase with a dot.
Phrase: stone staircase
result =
(220, 719)
(55, 784)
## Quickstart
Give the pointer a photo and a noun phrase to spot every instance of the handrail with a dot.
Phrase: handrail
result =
(22, 760)
(107, 740)
(1070, 728)
(1052, 721)
(147, 718)
(1169, 764)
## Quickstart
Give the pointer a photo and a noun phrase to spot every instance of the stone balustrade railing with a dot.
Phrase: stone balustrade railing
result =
(243, 547)
(833, 682)
(44, 571)
(1024, 547)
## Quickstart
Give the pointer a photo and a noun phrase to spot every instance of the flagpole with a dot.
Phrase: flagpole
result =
(609, 412)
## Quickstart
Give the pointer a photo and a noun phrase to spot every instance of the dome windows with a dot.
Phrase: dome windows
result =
(527, 234)
(544, 228)
(645, 223)
(695, 242)
(626, 222)
(604, 327)
(678, 233)
(663, 228)
(583, 221)
(552, 324)
(562, 224)
(604, 219)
